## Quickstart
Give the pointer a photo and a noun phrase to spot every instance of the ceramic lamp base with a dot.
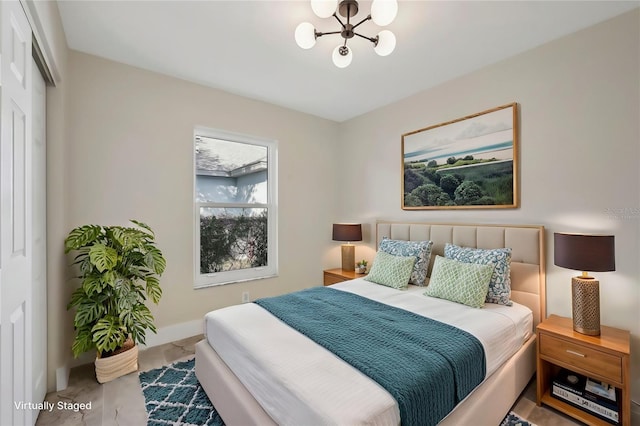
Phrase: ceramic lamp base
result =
(585, 293)
(348, 257)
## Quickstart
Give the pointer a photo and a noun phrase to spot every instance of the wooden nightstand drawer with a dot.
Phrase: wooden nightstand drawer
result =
(337, 275)
(583, 357)
(332, 279)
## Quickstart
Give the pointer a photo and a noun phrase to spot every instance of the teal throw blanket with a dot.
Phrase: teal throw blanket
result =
(426, 365)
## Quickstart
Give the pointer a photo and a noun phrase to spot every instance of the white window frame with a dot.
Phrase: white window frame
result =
(240, 275)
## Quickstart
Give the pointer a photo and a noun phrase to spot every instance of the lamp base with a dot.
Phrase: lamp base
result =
(348, 257)
(585, 293)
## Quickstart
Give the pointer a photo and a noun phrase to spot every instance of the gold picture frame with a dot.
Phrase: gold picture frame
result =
(467, 163)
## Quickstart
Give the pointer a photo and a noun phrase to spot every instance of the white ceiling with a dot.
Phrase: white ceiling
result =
(247, 47)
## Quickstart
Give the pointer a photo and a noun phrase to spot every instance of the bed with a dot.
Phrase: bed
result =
(293, 380)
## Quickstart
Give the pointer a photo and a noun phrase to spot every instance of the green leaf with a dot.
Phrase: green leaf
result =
(85, 265)
(143, 225)
(87, 313)
(103, 257)
(140, 319)
(127, 238)
(153, 289)
(92, 284)
(109, 278)
(81, 236)
(83, 342)
(108, 334)
(77, 297)
(117, 234)
(128, 298)
(155, 260)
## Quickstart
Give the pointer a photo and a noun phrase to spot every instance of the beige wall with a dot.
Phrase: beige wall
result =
(579, 103)
(129, 154)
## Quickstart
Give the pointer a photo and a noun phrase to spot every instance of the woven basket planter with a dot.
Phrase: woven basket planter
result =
(119, 364)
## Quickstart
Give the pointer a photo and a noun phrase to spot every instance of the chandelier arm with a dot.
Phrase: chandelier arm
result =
(361, 22)
(319, 34)
(335, 15)
(373, 40)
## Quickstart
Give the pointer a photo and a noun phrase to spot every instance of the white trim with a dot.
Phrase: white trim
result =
(635, 413)
(230, 277)
(62, 377)
(173, 332)
(42, 42)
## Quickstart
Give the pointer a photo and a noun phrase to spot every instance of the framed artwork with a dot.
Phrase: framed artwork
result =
(468, 163)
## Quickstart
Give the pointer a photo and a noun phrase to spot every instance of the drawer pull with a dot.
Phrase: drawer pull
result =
(576, 353)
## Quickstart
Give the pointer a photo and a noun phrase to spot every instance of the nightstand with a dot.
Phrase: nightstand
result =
(605, 358)
(332, 276)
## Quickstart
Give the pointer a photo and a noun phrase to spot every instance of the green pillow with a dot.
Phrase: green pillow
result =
(466, 283)
(392, 271)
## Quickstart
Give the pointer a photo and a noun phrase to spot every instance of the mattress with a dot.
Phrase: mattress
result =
(310, 385)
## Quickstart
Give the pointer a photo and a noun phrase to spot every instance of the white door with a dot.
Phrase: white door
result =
(15, 217)
(39, 240)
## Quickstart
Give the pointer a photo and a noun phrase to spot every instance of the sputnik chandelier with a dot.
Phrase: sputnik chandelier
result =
(383, 12)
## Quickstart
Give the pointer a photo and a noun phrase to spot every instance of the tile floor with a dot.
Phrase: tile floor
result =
(120, 402)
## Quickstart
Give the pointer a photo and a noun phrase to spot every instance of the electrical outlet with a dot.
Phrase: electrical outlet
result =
(245, 297)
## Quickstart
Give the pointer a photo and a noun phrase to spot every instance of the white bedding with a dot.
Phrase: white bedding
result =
(311, 386)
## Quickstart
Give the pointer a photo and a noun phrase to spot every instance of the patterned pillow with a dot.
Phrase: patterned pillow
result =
(500, 284)
(460, 282)
(421, 250)
(392, 271)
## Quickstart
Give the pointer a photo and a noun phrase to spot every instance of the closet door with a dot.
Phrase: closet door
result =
(15, 215)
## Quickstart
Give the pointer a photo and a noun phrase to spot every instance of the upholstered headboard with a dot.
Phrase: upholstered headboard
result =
(526, 242)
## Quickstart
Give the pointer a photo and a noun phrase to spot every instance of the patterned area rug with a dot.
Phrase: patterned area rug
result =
(173, 396)
(512, 419)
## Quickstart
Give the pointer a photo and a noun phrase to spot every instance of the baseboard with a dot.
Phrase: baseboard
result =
(635, 413)
(174, 332)
(62, 377)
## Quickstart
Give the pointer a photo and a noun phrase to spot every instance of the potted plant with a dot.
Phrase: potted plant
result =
(361, 267)
(119, 269)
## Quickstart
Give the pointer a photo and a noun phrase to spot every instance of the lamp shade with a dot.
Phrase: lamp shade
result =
(324, 8)
(386, 43)
(383, 12)
(593, 253)
(340, 60)
(305, 35)
(347, 232)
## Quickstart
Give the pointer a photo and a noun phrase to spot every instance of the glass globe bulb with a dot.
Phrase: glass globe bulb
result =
(340, 60)
(305, 35)
(383, 12)
(386, 43)
(324, 8)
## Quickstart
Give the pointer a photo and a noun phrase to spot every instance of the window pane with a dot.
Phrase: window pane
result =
(230, 172)
(232, 239)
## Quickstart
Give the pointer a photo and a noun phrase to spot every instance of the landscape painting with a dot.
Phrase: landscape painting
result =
(468, 163)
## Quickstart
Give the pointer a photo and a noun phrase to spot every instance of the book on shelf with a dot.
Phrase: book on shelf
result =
(600, 389)
(573, 389)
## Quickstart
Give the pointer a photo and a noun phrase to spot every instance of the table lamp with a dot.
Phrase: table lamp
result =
(348, 232)
(593, 253)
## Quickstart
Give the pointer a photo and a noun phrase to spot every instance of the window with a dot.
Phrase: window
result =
(235, 207)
